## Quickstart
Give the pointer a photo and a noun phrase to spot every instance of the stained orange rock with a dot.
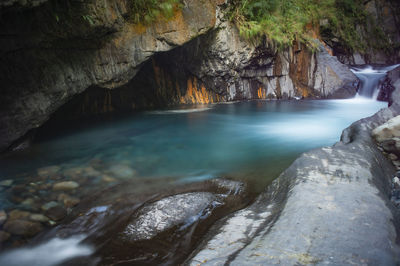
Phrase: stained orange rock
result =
(261, 93)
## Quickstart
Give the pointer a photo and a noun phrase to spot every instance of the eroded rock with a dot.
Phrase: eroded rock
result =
(178, 210)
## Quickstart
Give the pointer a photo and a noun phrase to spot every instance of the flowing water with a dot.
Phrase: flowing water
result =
(249, 141)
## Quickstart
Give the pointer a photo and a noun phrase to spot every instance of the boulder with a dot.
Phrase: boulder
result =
(178, 210)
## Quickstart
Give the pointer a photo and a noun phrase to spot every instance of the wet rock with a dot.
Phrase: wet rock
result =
(22, 227)
(108, 179)
(122, 171)
(48, 171)
(66, 185)
(393, 157)
(67, 200)
(28, 202)
(6, 183)
(3, 217)
(36, 217)
(178, 210)
(4, 236)
(49, 205)
(314, 213)
(18, 214)
(19, 190)
(56, 213)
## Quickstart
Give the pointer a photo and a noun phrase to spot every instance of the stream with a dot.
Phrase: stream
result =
(84, 184)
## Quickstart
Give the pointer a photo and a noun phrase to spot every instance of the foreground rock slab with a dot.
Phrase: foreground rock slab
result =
(331, 206)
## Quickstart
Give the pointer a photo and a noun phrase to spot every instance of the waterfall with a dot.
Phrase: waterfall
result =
(370, 76)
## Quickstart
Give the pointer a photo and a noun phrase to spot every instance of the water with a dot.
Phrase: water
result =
(242, 139)
(370, 77)
(145, 152)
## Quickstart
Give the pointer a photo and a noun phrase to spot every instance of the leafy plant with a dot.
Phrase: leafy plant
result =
(286, 21)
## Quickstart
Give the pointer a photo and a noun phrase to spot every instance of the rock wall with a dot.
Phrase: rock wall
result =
(219, 66)
(386, 14)
(57, 50)
(52, 52)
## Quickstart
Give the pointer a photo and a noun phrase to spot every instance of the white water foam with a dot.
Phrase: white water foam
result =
(370, 77)
(52, 252)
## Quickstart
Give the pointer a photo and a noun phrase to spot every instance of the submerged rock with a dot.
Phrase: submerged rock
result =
(6, 183)
(4, 236)
(66, 185)
(22, 227)
(179, 210)
(3, 217)
(56, 213)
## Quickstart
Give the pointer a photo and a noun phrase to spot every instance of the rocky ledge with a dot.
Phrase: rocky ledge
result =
(331, 206)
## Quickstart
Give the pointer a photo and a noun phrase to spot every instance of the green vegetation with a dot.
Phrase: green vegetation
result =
(286, 21)
(146, 11)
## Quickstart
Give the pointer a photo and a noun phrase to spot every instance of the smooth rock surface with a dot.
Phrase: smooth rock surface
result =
(178, 210)
(329, 207)
(66, 185)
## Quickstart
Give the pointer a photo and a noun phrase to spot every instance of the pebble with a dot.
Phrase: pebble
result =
(393, 157)
(18, 214)
(4, 236)
(56, 213)
(108, 179)
(67, 200)
(66, 185)
(48, 171)
(49, 205)
(7, 183)
(122, 171)
(28, 202)
(22, 227)
(3, 217)
(36, 217)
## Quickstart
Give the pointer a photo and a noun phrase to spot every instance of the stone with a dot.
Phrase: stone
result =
(3, 217)
(48, 170)
(181, 209)
(49, 205)
(122, 171)
(18, 214)
(67, 200)
(392, 157)
(37, 217)
(28, 202)
(108, 179)
(314, 213)
(66, 185)
(56, 213)
(4, 236)
(388, 130)
(22, 227)
(7, 183)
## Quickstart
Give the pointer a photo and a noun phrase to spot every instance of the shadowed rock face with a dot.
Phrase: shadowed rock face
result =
(330, 206)
(56, 50)
(127, 225)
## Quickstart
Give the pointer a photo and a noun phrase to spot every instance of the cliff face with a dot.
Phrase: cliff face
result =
(382, 34)
(57, 50)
